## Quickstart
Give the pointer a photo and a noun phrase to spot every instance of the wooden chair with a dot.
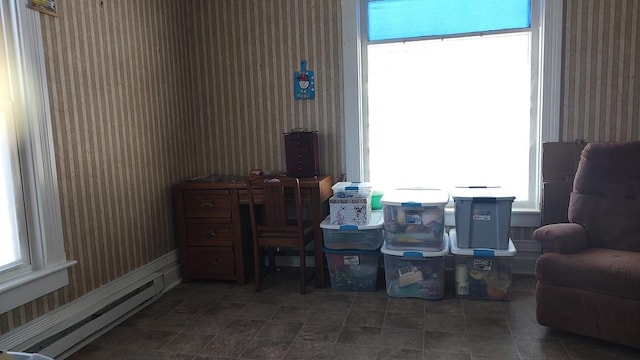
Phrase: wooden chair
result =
(275, 207)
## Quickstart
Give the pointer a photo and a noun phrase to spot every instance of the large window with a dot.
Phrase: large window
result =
(32, 258)
(451, 93)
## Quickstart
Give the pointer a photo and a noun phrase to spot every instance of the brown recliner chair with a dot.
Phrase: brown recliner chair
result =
(589, 271)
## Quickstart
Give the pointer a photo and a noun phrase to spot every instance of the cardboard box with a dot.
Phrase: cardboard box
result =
(560, 160)
(559, 164)
(555, 202)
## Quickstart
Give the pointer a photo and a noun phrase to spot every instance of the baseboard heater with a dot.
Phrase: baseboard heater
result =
(71, 338)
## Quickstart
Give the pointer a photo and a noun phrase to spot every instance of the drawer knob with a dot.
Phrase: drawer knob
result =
(213, 261)
(207, 204)
(211, 233)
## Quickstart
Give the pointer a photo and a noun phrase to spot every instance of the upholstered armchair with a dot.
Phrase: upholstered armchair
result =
(588, 276)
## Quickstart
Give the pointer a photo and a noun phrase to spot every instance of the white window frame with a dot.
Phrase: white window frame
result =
(354, 47)
(49, 263)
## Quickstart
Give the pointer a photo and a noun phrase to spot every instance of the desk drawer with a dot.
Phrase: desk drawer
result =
(208, 263)
(207, 203)
(204, 232)
(305, 194)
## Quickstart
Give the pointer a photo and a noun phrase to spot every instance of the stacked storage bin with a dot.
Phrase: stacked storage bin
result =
(350, 203)
(352, 238)
(481, 245)
(415, 243)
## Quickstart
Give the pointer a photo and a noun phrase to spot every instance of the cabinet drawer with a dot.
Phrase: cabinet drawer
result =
(205, 262)
(303, 157)
(298, 146)
(203, 232)
(207, 203)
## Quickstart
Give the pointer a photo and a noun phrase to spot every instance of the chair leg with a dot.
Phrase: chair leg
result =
(256, 267)
(272, 259)
(303, 267)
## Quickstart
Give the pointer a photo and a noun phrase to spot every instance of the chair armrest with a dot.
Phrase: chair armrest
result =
(565, 238)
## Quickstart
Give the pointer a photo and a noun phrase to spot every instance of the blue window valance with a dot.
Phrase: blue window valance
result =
(405, 19)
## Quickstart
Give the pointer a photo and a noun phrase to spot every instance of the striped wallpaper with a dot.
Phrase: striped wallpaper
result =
(119, 93)
(146, 93)
(601, 75)
(244, 54)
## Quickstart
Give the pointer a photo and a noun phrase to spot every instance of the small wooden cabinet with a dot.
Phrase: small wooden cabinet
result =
(301, 151)
(213, 240)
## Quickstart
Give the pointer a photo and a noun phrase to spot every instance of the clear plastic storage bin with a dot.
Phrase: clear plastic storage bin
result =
(414, 219)
(354, 270)
(482, 273)
(361, 237)
(351, 189)
(415, 274)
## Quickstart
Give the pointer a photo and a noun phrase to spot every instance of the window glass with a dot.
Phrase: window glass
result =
(457, 110)
(453, 112)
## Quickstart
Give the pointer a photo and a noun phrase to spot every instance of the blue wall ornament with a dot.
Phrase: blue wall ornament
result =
(303, 83)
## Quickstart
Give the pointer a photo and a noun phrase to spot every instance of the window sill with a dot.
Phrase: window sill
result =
(19, 291)
(519, 218)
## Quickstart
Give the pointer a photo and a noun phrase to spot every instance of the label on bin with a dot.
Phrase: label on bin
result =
(351, 260)
(481, 215)
(482, 264)
(413, 219)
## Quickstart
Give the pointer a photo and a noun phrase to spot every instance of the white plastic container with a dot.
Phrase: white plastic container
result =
(414, 219)
(415, 274)
(346, 189)
(355, 237)
(482, 273)
(483, 217)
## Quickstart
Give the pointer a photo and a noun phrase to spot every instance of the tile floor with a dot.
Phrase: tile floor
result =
(219, 320)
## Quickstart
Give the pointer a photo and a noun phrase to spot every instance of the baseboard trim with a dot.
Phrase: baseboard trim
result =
(162, 272)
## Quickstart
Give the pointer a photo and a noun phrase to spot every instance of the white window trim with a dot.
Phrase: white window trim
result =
(353, 48)
(49, 261)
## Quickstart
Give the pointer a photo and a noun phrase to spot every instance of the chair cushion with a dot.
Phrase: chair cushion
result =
(610, 272)
(606, 195)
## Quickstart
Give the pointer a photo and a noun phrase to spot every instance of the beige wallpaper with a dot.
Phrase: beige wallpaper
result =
(244, 54)
(601, 74)
(119, 94)
(147, 93)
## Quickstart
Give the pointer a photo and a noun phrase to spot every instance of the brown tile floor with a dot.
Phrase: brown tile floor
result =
(219, 320)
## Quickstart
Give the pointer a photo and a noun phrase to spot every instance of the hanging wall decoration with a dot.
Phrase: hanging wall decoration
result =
(303, 83)
(44, 6)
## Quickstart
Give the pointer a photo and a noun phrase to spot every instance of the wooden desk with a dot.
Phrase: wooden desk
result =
(213, 231)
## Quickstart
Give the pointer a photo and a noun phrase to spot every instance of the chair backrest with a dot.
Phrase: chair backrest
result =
(606, 195)
(280, 203)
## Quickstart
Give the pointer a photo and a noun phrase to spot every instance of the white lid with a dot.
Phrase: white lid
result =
(418, 253)
(347, 185)
(480, 252)
(470, 193)
(376, 222)
(415, 197)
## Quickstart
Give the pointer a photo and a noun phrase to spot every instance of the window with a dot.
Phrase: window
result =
(33, 262)
(427, 91)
